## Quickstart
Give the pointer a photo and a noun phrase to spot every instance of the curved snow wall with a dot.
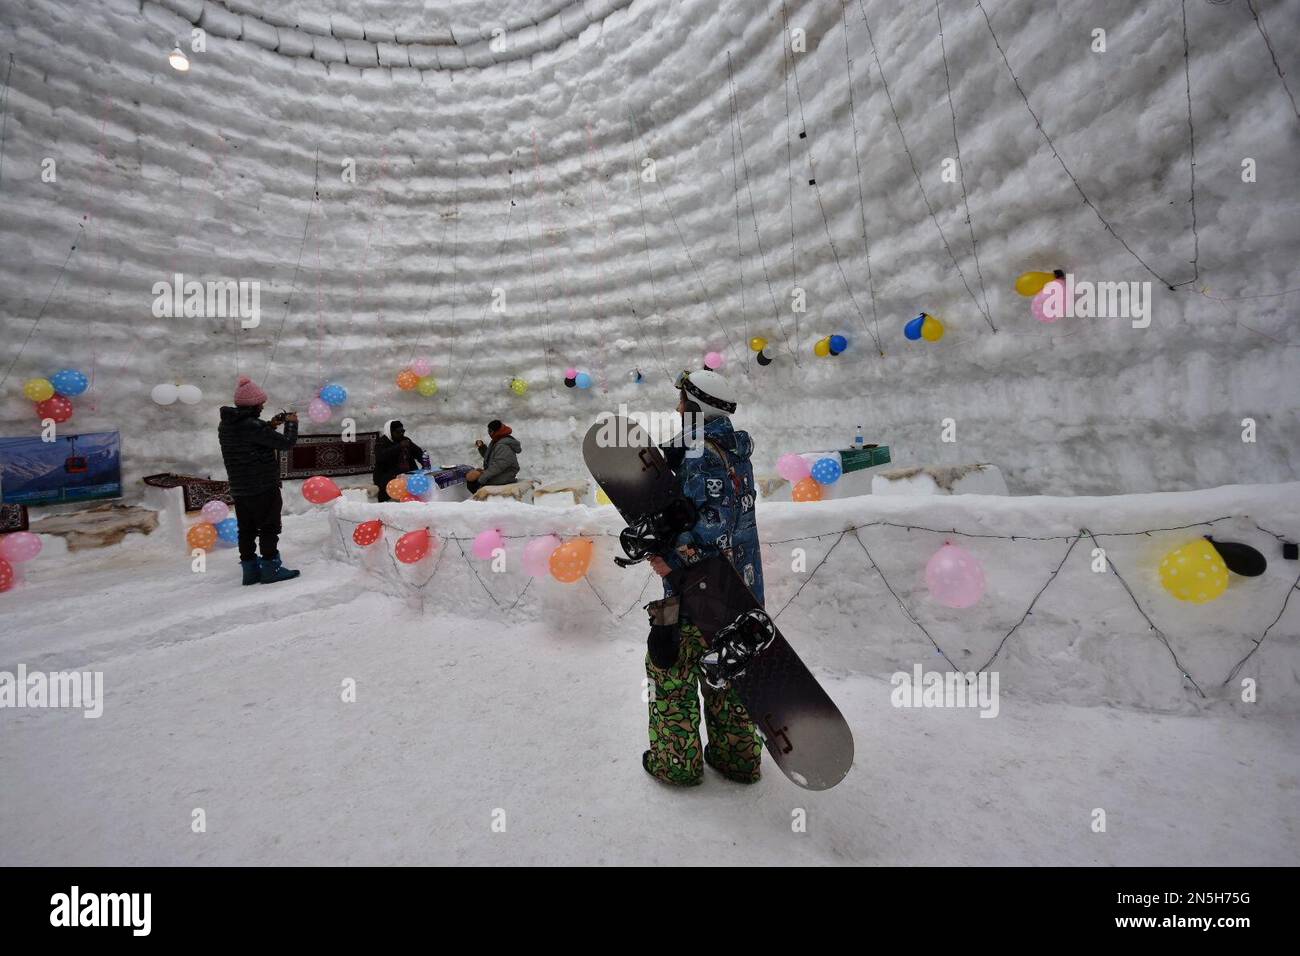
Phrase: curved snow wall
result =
(845, 580)
(637, 184)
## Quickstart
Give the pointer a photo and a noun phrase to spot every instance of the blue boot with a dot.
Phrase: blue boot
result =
(273, 570)
(252, 571)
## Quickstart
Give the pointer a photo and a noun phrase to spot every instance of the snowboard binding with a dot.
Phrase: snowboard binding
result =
(656, 533)
(735, 646)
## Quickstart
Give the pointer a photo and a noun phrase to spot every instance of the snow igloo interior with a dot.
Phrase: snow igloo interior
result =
(513, 188)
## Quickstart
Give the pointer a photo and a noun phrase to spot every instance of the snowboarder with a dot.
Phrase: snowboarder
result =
(711, 465)
(395, 454)
(500, 459)
(249, 447)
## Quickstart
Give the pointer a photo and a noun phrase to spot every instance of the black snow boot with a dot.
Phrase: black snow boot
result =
(273, 570)
(252, 571)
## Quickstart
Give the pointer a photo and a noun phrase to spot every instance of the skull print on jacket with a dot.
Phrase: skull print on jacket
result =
(725, 499)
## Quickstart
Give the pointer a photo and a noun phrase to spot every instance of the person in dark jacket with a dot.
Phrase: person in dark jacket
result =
(395, 454)
(500, 459)
(711, 465)
(250, 449)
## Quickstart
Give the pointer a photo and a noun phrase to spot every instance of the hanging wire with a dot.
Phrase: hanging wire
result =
(293, 282)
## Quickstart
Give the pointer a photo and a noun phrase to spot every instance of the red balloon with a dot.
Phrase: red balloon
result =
(413, 546)
(320, 489)
(6, 575)
(57, 407)
(368, 532)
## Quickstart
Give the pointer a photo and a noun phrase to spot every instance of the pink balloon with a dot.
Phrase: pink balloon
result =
(570, 372)
(485, 542)
(421, 367)
(715, 360)
(318, 411)
(792, 467)
(955, 577)
(537, 555)
(215, 511)
(1044, 312)
(319, 489)
(20, 546)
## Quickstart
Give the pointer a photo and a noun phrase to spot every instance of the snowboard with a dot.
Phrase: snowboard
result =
(804, 732)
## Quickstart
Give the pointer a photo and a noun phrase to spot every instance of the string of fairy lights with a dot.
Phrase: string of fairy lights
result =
(854, 531)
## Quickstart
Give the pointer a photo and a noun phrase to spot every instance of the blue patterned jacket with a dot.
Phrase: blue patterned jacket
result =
(725, 498)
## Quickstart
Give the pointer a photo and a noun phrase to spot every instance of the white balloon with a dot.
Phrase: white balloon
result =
(189, 394)
(165, 394)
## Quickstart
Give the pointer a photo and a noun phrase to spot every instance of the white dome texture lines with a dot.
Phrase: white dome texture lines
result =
(405, 36)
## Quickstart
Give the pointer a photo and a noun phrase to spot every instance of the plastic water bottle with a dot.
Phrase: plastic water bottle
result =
(424, 460)
(859, 443)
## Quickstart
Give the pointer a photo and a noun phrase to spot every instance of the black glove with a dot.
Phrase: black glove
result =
(665, 640)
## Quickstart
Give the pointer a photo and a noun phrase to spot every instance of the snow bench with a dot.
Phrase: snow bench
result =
(518, 490)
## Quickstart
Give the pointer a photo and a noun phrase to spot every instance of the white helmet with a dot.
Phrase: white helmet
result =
(710, 391)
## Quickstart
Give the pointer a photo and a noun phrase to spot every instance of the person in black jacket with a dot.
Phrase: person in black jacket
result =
(395, 454)
(249, 447)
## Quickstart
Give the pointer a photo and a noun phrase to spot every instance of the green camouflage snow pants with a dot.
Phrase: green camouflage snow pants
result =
(735, 749)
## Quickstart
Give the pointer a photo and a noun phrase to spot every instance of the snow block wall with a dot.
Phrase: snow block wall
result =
(845, 581)
(637, 183)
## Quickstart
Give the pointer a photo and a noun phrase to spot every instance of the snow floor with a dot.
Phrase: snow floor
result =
(229, 699)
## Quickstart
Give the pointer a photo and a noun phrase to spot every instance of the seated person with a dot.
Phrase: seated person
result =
(500, 459)
(395, 454)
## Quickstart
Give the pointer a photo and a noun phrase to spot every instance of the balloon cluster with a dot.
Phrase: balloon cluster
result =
(714, 361)
(548, 555)
(330, 397)
(418, 377)
(217, 524)
(1047, 292)
(169, 393)
(1198, 571)
(410, 487)
(808, 480)
(924, 326)
(830, 345)
(575, 379)
(53, 396)
(758, 345)
(16, 548)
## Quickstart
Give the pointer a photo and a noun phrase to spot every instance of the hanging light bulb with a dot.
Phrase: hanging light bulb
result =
(179, 61)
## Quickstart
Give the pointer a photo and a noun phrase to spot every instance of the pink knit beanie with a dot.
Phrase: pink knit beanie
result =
(248, 394)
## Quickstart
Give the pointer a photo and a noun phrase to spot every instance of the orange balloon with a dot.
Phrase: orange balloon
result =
(407, 380)
(202, 536)
(397, 489)
(570, 561)
(807, 489)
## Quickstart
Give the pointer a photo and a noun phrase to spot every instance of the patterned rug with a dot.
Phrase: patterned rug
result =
(198, 491)
(13, 518)
(329, 455)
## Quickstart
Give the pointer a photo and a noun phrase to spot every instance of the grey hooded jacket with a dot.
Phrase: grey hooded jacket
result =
(501, 461)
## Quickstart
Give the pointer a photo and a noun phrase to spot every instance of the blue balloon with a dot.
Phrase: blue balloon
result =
(417, 483)
(583, 380)
(913, 329)
(228, 530)
(838, 344)
(69, 382)
(826, 471)
(333, 395)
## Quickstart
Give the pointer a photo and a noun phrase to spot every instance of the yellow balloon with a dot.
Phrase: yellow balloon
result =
(1031, 283)
(931, 329)
(38, 389)
(822, 348)
(1195, 572)
(427, 386)
(518, 386)
(757, 343)
(601, 497)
